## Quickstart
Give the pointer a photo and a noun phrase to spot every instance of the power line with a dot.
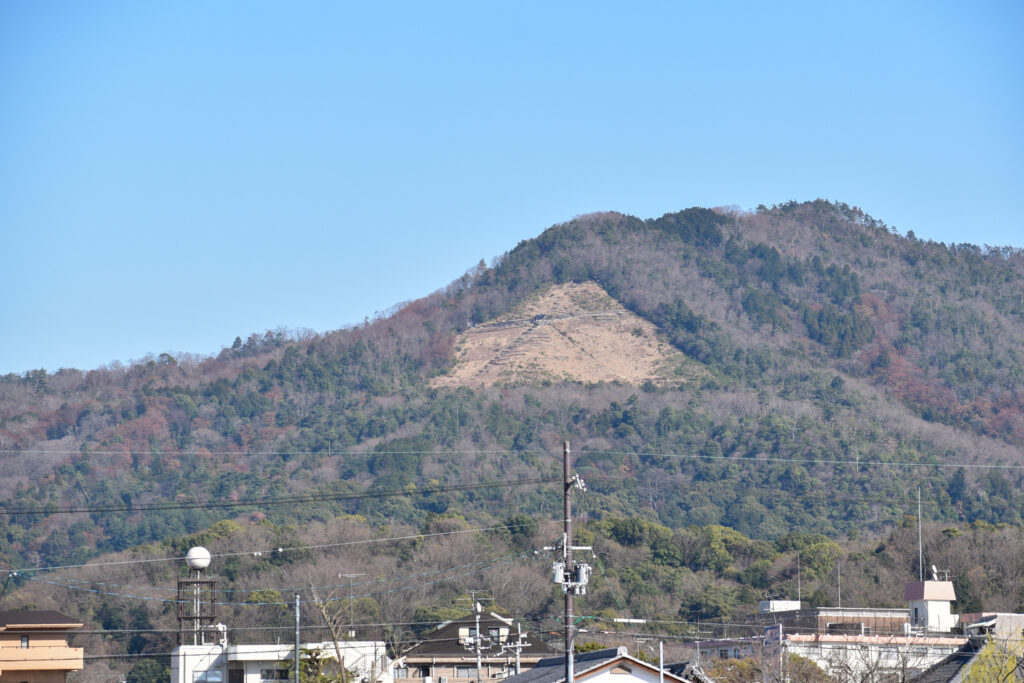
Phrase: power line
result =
(485, 565)
(583, 452)
(803, 461)
(264, 502)
(233, 454)
(261, 552)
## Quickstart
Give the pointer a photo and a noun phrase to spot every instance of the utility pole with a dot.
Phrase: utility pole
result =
(519, 647)
(479, 661)
(296, 638)
(475, 643)
(572, 577)
(567, 544)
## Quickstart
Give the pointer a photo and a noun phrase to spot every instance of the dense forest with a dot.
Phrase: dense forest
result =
(835, 369)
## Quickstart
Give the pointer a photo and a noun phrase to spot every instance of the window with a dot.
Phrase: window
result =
(208, 677)
(24, 642)
(423, 672)
(465, 671)
(402, 672)
(274, 674)
(723, 654)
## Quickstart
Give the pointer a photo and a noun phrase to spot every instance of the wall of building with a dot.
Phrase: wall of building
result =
(46, 659)
(264, 663)
(871, 656)
(443, 671)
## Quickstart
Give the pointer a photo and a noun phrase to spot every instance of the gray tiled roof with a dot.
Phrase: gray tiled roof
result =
(552, 669)
(444, 642)
(951, 668)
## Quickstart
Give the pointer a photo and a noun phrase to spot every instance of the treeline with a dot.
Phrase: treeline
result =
(841, 367)
(396, 582)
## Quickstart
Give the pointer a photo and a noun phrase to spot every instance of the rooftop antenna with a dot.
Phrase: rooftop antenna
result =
(920, 548)
(799, 597)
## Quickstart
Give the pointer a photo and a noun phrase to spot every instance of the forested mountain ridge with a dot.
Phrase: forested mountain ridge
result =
(841, 366)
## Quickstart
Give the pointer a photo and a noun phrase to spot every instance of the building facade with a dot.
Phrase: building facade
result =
(34, 647)
(452, 653)
(223, 663)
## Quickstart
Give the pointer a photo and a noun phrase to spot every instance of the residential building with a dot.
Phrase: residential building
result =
(870, 642)
(613, 665)
(450, 653)
(865, 657)
(34, 647)
(224, 663)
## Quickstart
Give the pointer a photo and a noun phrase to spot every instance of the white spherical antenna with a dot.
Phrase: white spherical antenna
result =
(197, 557)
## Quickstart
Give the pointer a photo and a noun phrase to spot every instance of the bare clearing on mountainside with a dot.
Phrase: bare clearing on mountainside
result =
(572, 332)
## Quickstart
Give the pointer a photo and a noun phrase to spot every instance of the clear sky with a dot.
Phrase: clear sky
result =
(176, 174)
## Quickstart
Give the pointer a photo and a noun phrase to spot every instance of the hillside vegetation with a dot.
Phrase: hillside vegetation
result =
(819, 369)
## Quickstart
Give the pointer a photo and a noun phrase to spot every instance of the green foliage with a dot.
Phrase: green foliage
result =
(587, 646)
(148, 670)
(819, 559)
(840, 332)
(998, 660)
(521, 530)
(713, 602)
(764, 308)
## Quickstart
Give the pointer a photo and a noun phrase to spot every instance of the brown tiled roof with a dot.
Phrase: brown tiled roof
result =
(37, 619)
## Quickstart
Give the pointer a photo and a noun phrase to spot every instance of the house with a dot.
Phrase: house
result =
(34, 647)
(613, 665)
(224, 663)
(451, 652)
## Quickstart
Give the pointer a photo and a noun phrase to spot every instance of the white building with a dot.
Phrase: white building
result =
(868, 657)
(223, 663)
(929, 606)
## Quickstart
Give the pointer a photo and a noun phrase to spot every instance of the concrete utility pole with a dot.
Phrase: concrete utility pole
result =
(479, 659)
(296, 638)
(572, 577)
(567, 545)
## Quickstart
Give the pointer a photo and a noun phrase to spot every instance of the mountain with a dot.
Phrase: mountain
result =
(803, 367)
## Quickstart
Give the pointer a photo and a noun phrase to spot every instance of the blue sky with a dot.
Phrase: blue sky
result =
(174, 175)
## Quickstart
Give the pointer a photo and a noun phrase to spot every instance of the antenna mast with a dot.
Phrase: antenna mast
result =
(920, 547)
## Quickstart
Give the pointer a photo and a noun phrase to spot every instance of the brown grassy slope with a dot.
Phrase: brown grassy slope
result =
(570, 332)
